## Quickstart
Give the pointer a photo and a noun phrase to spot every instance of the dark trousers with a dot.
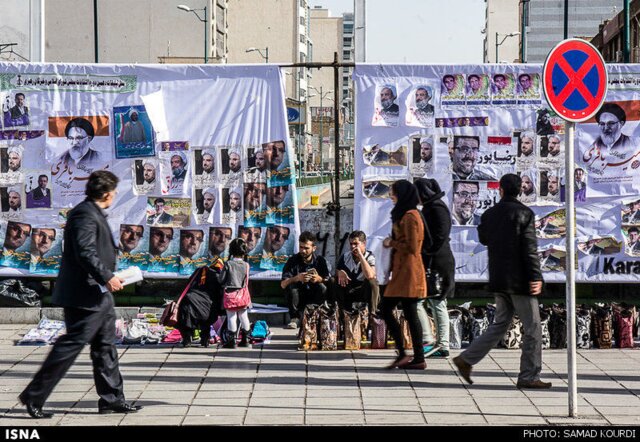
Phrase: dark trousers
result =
(410, 309)
(298, 296)
(83, 326)
(361, 291)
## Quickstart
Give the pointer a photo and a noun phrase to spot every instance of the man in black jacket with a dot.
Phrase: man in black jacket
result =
(507, 229)
(88, 262)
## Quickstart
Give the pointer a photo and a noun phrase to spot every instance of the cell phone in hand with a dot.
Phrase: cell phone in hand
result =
(312, 271)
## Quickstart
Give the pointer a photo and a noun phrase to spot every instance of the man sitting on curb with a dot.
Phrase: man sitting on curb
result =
(356, 274)
(305, 279)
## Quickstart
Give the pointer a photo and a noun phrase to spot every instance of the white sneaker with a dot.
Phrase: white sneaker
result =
(293, 324)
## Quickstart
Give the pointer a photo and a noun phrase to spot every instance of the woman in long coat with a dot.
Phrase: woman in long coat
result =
(407, 285)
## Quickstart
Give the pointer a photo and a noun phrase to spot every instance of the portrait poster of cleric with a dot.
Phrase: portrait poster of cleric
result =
(609, 150)
(16, 112)
(46, 250)
(452, 89)
(256, 169)
(37, 189)
(11, 203)
(204, 167)
(232, 213)
(205, 209)
(133, 245)
(11, 164)
(422, 159)
(550, 190)
(470, 199)
(529, 189)
(254, 237)
(164, 248)
(145, 176)
(551, 151)
(133, 133)
(278, 160)
(175, 172)
(525, 142)
(280, 208)
(420, 107)
(193, 250)
(76, 146)
(170, 212)
(277, 247)
(16, 248)
(472, 161)
(386, 110)
(230, 166)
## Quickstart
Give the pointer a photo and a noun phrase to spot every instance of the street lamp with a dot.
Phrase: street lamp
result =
(511, 34)
(322, 95)
(205, 20)
(265, 55)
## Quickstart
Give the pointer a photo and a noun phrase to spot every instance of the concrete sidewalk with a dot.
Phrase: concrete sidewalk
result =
(279, 385)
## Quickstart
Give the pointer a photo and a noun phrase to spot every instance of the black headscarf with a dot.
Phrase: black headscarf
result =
(407, 195)
(428, 190)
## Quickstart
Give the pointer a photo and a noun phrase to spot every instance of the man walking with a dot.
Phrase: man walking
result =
(88, 261)
(507, 229)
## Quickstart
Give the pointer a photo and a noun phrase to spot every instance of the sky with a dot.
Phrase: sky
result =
(420, 31)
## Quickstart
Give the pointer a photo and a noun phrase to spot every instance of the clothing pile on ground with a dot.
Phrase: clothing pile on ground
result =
(326, 327)
(47, 332)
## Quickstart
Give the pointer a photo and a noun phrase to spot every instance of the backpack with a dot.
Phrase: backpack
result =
(259, 330)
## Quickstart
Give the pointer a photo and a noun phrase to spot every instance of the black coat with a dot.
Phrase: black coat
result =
(508, 230)
(438, 218)
(88, 259)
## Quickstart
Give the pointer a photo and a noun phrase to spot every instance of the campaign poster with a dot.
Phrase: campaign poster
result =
(193, 250)
(553, 259)
(595, 246)
(528, 89)
(280, 208)
(255, 205)
(470, 199)
(503, 88)
(76, 146)
(377, 155)
(171, 146)
(452, 90)
(550, 186)
(46, 250)
(232, 213)
(609, 150)
(421, 156)
(16, 110)
(230, 166)
(277, 247)
(420, 109)
(279, 163)
(16, 250)
(204, 167)
(254, 237)
(471, 161)
(630, 212)
(11, 165)
(548, 122)
(37, 189)
(133, 246)
(175, 172)
(551, 225)
(499, 157)
(133, 133)
(477, 89)
(206, 205)
(376, 189)
(171, 212)
(551, 151)
(529, 189)
(257, 169)
(145, 176)
(11, 207)
(525, 140)
(164, 246)
(386, 110)
(219, 239)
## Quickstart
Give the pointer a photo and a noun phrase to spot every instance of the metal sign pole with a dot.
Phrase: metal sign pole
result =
(571, 268)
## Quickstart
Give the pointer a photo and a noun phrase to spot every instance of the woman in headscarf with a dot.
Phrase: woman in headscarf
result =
(408, 285)
(439, 259)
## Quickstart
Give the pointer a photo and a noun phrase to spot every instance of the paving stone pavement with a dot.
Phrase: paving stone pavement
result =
(278, 385)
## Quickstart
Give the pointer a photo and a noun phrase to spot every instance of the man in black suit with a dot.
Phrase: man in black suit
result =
(88, 262)
(161, 217)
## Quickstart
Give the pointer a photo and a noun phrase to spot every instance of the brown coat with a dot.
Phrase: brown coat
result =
(407, 271)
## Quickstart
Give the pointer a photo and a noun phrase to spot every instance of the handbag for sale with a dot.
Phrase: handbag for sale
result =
(169, 316)
(352, 332)
(378, 332)
(434, 283)
(239, 298)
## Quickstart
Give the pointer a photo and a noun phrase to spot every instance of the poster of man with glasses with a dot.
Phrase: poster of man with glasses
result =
(470, 199)
(132, 246)
(46, 250)
(468, 160)
(17, 245)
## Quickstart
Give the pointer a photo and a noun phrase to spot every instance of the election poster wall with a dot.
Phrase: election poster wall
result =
(468, 125)
(202, 153)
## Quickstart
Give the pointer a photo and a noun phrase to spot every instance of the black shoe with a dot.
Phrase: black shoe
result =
(464, 368)
(534, 385)
(244, 339)
(35, 411)
(119, 408)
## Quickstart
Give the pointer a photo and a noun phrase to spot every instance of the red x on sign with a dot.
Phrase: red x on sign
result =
(574, 80)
